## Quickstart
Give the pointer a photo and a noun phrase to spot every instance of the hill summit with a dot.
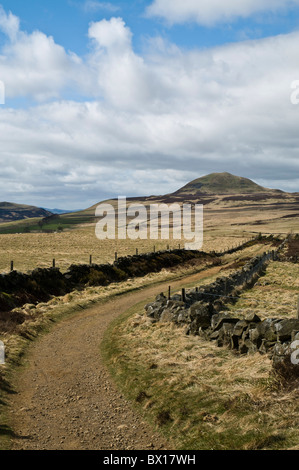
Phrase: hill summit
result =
(10, 212)
(222, 183)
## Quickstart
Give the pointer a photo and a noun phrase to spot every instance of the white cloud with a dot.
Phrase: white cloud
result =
(9, 24)
(112, 34)
(152, 123)
(33, 64)
(213, 11)
(123, 77)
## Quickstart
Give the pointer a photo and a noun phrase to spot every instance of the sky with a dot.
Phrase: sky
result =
(134, 98)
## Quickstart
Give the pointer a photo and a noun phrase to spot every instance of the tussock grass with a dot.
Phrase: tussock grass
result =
(198, 395)
(31, 250)
(274, 295)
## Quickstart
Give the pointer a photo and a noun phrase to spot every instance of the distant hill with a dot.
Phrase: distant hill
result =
(239, 198)
(223, 183)
(10, 212)
(215, 190)
(57, 211)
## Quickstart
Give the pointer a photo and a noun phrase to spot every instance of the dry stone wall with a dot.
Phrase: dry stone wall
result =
(202, 312)
(18, 288)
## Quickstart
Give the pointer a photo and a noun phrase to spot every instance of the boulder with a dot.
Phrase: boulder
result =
(285, 364)
(252, 318)
(263, 331)
(295, 336)
(183, 316)
(224, 334)
(285, 328)
(176, 297)
(246, 346)
(200, 316)
(154, 310)
(267, 346)
(219, 318)
(214, 335)
(167, 316)
(239, 328)
(161, 298)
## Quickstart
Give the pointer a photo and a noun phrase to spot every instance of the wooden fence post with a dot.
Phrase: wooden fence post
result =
(53, 263)
(90, 260)
(11, 265)
(169, 292)
(183, 295)
(136, 251)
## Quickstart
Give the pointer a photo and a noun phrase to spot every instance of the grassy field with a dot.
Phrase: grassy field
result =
(229, 220)
(31, 250)
(274, 295)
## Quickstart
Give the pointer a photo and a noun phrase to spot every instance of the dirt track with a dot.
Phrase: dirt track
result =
(65, 398)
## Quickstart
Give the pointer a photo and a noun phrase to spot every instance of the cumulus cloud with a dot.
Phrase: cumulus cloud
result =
(213, 11)
(152, 122)
(112, 34)
(9, 24)
(33, 65)
(123, 77)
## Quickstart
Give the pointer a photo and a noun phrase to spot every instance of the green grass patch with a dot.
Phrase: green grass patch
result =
(60, 222)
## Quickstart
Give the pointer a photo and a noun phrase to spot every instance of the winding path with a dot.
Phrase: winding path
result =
(65, 397)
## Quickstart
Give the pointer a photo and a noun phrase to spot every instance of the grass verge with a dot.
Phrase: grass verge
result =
(196, 395)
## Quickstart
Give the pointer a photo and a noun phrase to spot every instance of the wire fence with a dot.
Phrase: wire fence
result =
(245, 279)
(54, 262)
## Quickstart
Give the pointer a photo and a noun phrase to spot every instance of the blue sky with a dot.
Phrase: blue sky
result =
(139, 97)
(67, 21)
